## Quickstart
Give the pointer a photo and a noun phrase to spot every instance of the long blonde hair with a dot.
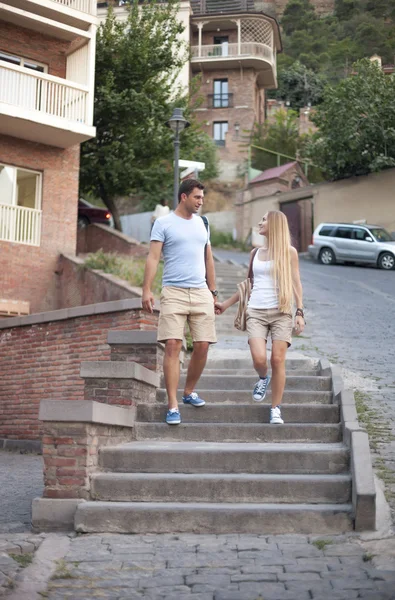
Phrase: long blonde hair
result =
(279, 251)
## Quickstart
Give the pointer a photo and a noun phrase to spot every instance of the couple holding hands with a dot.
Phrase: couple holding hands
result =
(189, 294)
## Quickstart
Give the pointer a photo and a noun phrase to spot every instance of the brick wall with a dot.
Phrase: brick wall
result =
(77, 286)
(102, 237)
(40, 358)
(28, 271)
(35, 46)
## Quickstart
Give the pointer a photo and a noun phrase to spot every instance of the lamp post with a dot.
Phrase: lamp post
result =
(177, 123)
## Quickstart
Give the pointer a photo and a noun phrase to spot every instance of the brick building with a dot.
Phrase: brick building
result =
(47, 56)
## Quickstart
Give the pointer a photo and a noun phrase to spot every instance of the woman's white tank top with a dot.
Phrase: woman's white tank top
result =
(264, 293)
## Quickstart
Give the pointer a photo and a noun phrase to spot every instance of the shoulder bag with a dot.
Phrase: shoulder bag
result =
(245, 288)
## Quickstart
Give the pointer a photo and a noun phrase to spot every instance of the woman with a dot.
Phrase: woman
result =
(276, 282)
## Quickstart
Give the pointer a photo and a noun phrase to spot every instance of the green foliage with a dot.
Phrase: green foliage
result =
(220, 239)
(128, 269)
(356, 122)
(137, 62)
(23, 560)
(280, 135)
(328, 46)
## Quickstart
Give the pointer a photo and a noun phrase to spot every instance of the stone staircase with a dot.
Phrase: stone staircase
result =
(225, 469)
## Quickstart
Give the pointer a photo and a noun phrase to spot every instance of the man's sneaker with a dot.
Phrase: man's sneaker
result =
(275, 416)
(260, 389)
(193, 399)
(173, 417)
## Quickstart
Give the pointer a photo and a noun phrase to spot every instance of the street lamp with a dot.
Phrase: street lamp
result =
(177, 123)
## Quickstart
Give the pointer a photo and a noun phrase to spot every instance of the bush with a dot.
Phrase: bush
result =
(128, 269)
(220, 239)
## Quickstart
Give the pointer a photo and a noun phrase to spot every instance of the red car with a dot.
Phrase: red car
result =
(88, 213)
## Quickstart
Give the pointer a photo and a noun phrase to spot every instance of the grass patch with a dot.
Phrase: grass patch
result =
(126, 268)
(62, 570)
(322, 544)
(219, 239)
(379, 431)
(23, 560)
(367, 557)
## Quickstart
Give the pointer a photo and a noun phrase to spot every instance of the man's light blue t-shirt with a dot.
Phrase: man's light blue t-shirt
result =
(183, 250)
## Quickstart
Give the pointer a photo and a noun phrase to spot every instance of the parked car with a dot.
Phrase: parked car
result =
(344, 242)
(88, 213)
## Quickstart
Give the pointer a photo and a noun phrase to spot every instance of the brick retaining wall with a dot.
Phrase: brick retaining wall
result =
(101, 237)
(40, 357)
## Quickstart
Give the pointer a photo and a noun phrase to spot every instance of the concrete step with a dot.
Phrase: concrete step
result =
(235, 382)
(252, 374)
(244, 432)
(245, 396)
(185, 517)
(242, 413)
(209, 487)
(233, 364)
(203, 457)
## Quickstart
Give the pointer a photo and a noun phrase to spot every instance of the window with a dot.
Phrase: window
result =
(381, 235)
(326, 230)
(220, 131)
(361, 234)
(23, 62)
(20, 204)
(221, 96)
(221, 45)
(344, 233)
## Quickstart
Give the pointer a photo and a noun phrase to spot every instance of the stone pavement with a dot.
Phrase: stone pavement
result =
(16, 552)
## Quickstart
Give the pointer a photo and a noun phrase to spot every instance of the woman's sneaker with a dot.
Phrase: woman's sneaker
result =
(260, 389)
(173, 417)
(193, 399)
(275, 416)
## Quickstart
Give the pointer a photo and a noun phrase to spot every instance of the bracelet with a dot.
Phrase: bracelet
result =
(299, 313)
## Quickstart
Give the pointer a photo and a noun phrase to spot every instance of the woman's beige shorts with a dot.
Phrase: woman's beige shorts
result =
(261, 321)
(179, 305)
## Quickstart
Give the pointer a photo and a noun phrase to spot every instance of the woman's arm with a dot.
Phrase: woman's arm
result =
(221, 307)
(297, 289)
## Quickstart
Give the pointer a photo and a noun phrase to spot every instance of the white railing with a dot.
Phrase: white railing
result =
(86, 6)
(43, 93)
(245, 49)
(19, 224)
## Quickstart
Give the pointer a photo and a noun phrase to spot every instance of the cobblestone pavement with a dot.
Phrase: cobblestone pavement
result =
(16, 551)
(21, 480)
(226, 567)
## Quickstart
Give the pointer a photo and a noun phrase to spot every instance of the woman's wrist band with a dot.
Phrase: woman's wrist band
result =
(299, 313)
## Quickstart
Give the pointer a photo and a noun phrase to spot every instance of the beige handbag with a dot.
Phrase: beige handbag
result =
(245, 288)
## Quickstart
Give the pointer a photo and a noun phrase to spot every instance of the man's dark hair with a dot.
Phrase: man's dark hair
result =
(187, 187)
(163, 202)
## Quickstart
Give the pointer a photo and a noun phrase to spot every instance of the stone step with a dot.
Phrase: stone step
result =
(245, 397)
(185, 517)
(235, 382)
(244, 432)
(245, 363)
(242, 413)
(209, 487)
(252, 374)
(203, 457)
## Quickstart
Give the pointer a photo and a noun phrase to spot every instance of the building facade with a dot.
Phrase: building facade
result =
(47, 63)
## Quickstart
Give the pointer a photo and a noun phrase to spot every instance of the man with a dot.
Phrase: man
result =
(161, 210)
(188, 292)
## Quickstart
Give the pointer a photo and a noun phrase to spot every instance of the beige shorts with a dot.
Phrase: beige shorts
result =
(181, 305)
(261, 321)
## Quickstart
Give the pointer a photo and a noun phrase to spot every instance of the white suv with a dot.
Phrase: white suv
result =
(344, 242)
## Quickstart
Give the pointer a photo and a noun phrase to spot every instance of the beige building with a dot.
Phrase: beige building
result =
(368, 198)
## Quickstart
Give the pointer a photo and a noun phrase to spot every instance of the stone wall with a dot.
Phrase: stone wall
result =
(101, 237)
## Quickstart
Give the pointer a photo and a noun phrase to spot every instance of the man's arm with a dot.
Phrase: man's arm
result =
(151, 266)
(210, 268)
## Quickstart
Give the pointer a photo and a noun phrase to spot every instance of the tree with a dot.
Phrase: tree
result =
(356, 122)
(299, 85)
(137, 62)
(296, 14)
(281, 134)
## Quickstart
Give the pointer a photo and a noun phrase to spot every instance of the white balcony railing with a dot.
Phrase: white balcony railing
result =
(86, 6)
(43, 93)
(19, 224)
(242, 50)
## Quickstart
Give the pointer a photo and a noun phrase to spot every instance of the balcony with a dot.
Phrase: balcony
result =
(20, 225)
(246, 41)
(220, 100)
(46, 109)
(77, 14)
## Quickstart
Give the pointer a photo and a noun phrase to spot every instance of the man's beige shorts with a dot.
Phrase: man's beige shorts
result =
(261, 321)
(179, 305)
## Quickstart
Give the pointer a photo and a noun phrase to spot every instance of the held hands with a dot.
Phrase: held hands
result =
(148, 301)
(299, 325)
(219, 308)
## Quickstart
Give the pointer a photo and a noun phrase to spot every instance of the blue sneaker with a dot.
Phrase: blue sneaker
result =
(173, 417)
(193, 399)
(260, 389)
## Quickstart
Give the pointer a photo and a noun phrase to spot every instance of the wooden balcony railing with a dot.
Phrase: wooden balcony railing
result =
(43, 93)
(245, 49)
(86, 6)
(20, 224)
